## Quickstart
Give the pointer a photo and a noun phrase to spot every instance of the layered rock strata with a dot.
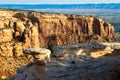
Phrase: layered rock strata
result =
(20, 30)
(29, 29)
(92, 50)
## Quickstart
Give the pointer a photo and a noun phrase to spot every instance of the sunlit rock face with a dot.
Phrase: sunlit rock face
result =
(20, 30)
(82, 51)
(29, 29)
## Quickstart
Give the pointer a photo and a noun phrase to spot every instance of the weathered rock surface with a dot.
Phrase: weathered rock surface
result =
(33, 29)
(20, 30)
(8, 65)
(94, 69)
(39, 53)
(35, 71)
(6, 35)
(73, 67)
(92, 50)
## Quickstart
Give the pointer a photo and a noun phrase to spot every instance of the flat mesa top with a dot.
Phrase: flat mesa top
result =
(36, 51)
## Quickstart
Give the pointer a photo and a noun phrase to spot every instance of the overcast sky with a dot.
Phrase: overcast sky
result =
(56, 1)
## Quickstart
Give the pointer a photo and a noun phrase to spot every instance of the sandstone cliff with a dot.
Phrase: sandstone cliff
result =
(20, 30)
(28, 29)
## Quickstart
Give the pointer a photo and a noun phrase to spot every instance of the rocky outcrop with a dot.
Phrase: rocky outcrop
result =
(33, 29)
(82, 62)
(20, 30)
(32, 71)
(96, 69)
(73, 66)
(92, 69)
(92, 50)
(39, 53)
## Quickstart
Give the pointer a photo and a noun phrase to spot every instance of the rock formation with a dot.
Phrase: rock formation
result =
(20, 30)
(29, 29)
(92, 50)
(39, 53)
(34, 71)
(71, 69)
(83, 61)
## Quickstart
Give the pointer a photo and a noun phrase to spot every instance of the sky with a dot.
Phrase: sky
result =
(57, 1)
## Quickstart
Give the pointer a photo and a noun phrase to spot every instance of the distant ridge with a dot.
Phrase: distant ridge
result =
(61, 6)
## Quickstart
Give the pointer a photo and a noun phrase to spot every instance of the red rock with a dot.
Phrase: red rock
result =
(34, 30)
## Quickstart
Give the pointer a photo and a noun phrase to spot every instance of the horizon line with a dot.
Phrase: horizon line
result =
(51, 3)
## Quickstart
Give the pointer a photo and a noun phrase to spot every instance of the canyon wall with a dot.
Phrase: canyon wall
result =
(21, 30)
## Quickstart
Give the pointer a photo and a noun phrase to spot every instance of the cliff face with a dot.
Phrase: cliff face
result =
(26, 29)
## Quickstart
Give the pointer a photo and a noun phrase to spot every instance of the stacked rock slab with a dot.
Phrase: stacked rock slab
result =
(92, 50)
(39, 53)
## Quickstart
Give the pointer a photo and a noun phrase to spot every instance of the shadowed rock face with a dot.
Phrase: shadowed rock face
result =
(28, 29)
(20, 30)
(95, 69)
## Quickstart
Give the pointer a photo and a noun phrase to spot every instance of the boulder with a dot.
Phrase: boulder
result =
(39, 53)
